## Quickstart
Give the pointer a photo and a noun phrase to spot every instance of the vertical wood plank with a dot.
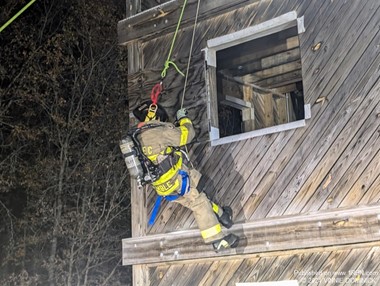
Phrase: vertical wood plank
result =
(212, 99)
(133, 7)
(140, 273)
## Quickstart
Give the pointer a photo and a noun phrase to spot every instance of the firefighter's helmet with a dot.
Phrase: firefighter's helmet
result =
(149, 111)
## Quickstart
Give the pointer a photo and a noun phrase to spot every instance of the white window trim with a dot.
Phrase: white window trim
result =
(272, 26)
(215, 140)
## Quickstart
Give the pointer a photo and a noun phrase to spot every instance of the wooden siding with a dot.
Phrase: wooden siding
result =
(164, 18)
(334, 161)
(339, 228)
(342, 267)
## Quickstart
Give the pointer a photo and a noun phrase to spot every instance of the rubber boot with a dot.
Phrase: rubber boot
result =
(226, 218)
(229, 241)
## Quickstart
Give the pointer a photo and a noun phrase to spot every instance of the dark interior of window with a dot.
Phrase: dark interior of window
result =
(259, 83)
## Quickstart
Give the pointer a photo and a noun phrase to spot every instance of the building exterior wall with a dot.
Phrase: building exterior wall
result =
(332, 162)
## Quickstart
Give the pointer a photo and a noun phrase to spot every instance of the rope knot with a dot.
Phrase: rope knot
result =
(166, 67)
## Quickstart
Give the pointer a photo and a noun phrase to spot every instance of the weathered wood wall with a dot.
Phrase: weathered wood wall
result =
(332, 162)
(147, 4)
(325, 267)
(347, 227)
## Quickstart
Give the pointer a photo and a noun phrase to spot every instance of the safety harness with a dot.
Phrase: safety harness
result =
(184, 189)
(159, 174)
(156, 173)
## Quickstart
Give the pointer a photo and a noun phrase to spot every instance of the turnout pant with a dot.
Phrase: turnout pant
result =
(201, 207)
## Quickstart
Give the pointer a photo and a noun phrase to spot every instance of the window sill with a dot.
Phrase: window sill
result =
(214, 132)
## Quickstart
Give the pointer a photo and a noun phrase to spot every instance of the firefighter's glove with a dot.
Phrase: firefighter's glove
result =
(181, 113)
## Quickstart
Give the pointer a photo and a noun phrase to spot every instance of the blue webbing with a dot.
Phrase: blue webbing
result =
(184, 189)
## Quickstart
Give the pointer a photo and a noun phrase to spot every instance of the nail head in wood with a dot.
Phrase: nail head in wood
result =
(316, 47)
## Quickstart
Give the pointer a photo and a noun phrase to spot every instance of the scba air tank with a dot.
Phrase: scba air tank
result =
(131, 160)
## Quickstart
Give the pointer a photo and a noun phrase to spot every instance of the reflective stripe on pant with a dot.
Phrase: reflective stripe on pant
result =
(204, 215)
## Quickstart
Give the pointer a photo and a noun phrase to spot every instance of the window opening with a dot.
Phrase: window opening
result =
(257, 82)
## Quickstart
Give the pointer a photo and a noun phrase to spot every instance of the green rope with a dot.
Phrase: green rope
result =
(15, 16)
(166, 67)
(168, 62)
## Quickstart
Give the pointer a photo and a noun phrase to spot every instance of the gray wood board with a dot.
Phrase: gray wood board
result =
(328, 228)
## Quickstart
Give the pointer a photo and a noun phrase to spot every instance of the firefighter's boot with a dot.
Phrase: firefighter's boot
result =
(226, 218)
(229, 241)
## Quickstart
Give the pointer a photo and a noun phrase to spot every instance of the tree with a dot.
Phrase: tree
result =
(64, 197)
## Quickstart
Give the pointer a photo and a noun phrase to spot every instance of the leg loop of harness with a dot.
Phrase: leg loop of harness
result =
(184, 189)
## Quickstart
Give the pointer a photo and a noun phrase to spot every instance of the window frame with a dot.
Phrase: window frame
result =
(275, 25)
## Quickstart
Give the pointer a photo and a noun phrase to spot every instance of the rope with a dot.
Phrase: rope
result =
(190, 54)
(168, 62)
(166, 67)
(187, 70)
(15, 16)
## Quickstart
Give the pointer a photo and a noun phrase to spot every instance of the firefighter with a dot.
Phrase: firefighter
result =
(177, 181)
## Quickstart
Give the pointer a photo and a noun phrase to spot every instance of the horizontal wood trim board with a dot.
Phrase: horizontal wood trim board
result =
(275, 60)
(320, 229)
(269, 27)
(271, 254)
(164, 18)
